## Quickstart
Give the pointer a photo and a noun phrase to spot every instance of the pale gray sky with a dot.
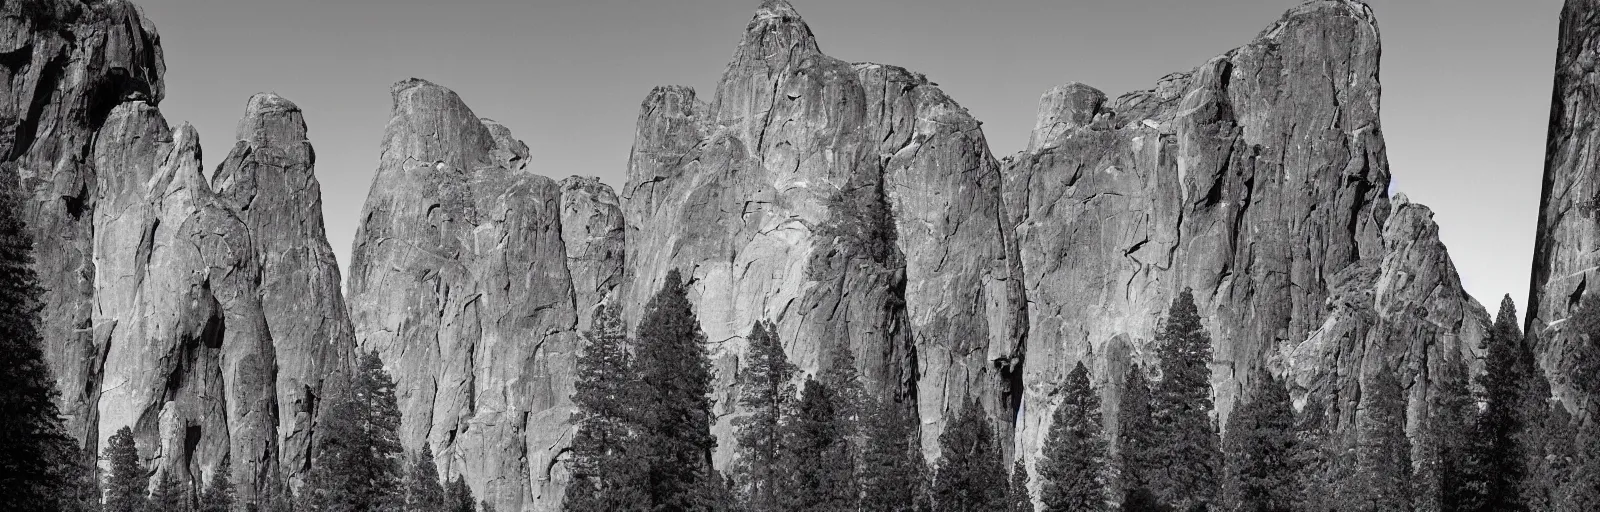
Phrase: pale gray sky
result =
(1467, 83)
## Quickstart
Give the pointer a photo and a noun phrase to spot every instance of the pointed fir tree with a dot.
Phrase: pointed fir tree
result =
(169, 495)
(1496, 453)
(128, 483)
(1187, 443)
(1072, 470)
(850, 402)
(357, 467)
(1440, 482)
(423, 491)
(892, 468)
(41, 467)
(1257, 445)
(606, 463)
(1021, 499)
(218, 496)
(458, 496)
(675, 425)
(1382, 480)
(1134, 458)
(767, 392)
(971, 474)
(816, 456)
(1539, 484)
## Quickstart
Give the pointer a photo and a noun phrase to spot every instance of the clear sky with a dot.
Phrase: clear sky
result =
(1467, 83)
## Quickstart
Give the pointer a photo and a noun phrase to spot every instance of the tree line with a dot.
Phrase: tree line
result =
(1497, 442)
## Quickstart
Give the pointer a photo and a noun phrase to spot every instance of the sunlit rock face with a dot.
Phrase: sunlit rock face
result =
(1258, 180)
(847, 203)
(269, 179)
(459, 280)
(1566, 251)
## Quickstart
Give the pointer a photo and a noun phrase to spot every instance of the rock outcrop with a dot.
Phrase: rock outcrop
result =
(593, 231)
(65, 65)
(1259, 181)
(459, 281)
(269, 180)
(845, 203)
(1566, 253)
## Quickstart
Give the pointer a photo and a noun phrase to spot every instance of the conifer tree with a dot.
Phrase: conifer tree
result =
(606, 460)
(1582, 490)
(766, 391)
(1187, 444)
(970, 474)
(1257, 473)
(1441, 477)
(1134, 459)
(458, 496)
(41, 467)
(127, 484)
(1072, 472)
(1383, 455)
(169, 495)
(892, 471)
(1021, 498)
(850, 402)
(358, 462)
(816, 455)
(423, 491)
(218, 496)
(1496, 452)
(675, 427)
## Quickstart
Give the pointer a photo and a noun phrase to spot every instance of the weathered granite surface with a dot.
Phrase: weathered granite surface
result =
(459, 281)
(593, 231)
(269, 179)
(1566, 251)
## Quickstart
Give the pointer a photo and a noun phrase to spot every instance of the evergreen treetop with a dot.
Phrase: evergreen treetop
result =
(766, 391)
(675, 426)
(1135, 460)
(1181, 404)
(1072, 472)
(971, 474)
(128, 482)
(1258, 444)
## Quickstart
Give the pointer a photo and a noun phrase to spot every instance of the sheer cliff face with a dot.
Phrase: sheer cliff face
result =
(64, 66)
(1567, 248)
(460, 280)
(846, 203)
(1258, 180)
(205, 320)
(269, 179)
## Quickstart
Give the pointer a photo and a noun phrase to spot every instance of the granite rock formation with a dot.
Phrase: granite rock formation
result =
(1566, 250)
(269, 180)
(592, 230)
(459, 280)
(1259, 181)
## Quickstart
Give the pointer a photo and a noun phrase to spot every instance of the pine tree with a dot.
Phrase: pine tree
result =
(1134, 459)
(1582, 491)
(218, 496)
(169, 495)
(766, 391)
(606, 463)
(1539, 485)
(1442, 472)
(458, 496)
(1021, 499)
(358, 462)
(1072, 472)
(970, 474)
(850, 402)
(424, 493)
(892, 470)
(1181, 405)
(675, 428)
(128, 483)
(1383, 456)
(1257, 473)
(40, 465)
(816, 456)
(1496, 453)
